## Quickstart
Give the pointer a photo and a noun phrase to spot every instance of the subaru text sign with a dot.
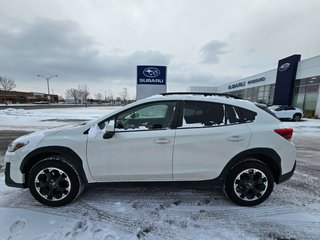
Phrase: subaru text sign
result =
(153, 75)
(151, 80)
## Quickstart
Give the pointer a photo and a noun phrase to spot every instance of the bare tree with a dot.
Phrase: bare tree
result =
(6, 85)
(73, 93)
(118, 100)
(84, 93)
(98, 96)
(124, 95)
(61, 99)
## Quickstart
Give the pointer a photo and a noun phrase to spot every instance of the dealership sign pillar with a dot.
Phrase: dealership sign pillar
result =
(151, 80)
(286, 77)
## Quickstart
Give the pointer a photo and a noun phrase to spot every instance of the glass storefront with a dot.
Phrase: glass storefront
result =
(263, 94)
(306, 93)
(305, 96)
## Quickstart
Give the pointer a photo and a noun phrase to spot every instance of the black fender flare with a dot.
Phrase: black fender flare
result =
(266, 155)
(40, 153)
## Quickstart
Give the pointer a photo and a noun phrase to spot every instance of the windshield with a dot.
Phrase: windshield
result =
(273, 107)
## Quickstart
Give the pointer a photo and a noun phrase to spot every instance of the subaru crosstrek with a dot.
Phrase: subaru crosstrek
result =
(230, 142)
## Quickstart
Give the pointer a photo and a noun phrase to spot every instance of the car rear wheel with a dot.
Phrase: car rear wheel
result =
(296, 117)
(249, 183)
(54, 181)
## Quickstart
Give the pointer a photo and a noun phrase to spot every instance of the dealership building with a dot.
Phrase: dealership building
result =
(293, 82)
(26, 97)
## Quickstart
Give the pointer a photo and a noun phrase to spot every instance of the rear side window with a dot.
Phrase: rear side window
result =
(209, 114)
(202, 114)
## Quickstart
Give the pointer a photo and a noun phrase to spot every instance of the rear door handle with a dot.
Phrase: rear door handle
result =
(162, 140)
(235, 138)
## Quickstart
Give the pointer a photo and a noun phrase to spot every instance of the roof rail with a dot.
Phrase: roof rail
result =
(201, 93)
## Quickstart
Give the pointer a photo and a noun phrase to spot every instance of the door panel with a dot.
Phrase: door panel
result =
(202, 153)
(136, 155)
(210, 135)
(141, 148)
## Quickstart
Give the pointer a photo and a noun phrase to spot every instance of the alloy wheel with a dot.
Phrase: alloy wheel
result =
(250, 184)
(52, 184)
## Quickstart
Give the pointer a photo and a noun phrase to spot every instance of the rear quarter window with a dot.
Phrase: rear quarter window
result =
(246, 115)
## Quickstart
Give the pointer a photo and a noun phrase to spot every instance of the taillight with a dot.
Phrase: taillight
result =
(285, 132)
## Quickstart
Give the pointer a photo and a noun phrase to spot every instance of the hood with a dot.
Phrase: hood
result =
(51, 131)
(39, 135)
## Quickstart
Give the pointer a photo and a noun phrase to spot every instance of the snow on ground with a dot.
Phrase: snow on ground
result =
(305, 126)
(164, 211)
(30, 224)
(38, 119)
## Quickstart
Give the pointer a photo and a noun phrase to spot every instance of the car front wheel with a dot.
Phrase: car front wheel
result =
(249, 183)
(54, 181)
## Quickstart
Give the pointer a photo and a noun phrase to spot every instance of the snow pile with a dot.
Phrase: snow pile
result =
(38, 119)
(13, 111)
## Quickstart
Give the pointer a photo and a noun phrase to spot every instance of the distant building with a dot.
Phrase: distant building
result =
(26, 97)
(202, 89)
(293, 82)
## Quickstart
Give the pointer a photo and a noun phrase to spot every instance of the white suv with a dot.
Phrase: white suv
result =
(170, 137)
(287, 112)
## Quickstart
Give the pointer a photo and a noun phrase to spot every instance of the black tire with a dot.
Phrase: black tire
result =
(249, 183)
(296, 117)
(54, 181)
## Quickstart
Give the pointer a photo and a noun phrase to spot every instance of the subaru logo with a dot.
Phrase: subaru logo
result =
(151, 72)
(284, 67)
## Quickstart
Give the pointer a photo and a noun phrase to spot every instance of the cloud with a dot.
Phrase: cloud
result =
(47, 46)
(182, 75)
(211, 51)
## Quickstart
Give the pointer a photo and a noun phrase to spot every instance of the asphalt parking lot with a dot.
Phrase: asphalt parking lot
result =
(7, 136)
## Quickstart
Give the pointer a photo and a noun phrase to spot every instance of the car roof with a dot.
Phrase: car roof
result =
(211, 97)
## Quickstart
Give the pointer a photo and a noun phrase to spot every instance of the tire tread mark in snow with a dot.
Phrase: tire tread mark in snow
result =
(130, 225)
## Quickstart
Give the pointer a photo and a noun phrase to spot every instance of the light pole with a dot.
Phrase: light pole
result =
(48, 78)
(105, 95)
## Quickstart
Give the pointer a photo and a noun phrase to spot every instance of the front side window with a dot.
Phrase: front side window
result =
(282, 108)
(154, 116)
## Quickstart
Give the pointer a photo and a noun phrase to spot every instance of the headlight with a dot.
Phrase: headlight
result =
(14, 146)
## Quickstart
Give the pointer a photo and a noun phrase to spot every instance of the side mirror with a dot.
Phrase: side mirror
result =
(109, 130)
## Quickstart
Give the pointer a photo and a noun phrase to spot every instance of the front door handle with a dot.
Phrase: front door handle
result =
(235, 138)
(162, 140)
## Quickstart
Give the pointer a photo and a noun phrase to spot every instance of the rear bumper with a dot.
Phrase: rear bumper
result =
(8, 180)
(288, 175)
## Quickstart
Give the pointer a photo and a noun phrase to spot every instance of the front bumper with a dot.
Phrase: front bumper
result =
(8, 180)
(288, 175)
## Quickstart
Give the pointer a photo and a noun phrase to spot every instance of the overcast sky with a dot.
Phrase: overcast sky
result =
(100, 42)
